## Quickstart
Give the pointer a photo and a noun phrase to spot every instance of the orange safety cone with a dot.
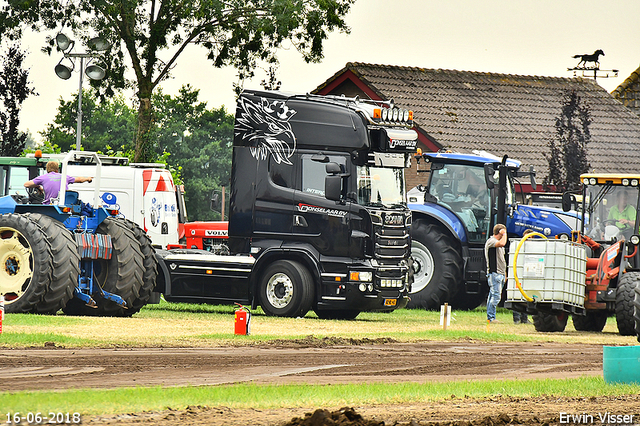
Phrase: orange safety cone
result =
(242, 321)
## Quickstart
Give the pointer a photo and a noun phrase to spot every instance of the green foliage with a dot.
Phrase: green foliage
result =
(567, 155)
(14, 90)
(150, 36)
(200, 142)
(105, 125)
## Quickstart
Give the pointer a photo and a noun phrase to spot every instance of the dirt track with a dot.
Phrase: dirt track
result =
(320, 362)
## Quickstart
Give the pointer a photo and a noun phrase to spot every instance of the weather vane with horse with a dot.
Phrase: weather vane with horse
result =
(594, 57)
(595, 69)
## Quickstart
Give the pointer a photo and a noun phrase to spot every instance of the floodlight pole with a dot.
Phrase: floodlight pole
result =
(79, 118)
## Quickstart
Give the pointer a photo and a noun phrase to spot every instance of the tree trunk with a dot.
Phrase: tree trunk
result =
(144, 128)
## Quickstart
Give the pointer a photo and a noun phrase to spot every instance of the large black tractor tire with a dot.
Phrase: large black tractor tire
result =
(636, 310)
(150, 265)
(437, 266)
(26, 263)
(121, 275)
(592, 321)
(286, 289)
(550, 323)
(66, 264)
(624, 303)
(338, 314)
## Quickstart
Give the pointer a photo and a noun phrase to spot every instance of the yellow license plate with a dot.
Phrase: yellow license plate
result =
(390, 302)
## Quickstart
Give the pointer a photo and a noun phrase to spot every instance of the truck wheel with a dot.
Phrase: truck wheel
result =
(66, 261)
(338, 314)
(624, 303)
(437, 266)
(546, 323)
(592, 321)
(150, 265)
(25, 263)
(121, 275)
(286, 289)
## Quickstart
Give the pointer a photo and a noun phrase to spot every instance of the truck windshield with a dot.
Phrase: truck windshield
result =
(378, 186)
(463, 190)
(612, 212)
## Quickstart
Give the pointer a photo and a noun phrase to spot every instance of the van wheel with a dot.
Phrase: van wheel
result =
(286, 289)
(26, 263)
(66, 261)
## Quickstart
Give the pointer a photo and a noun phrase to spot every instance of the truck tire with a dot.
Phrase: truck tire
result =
(437, 266)
(592, 321)
(286, 289)
(26, 263)
(338, 314)
(66, 264)
(624, 303)
(150, 265)
(550, 323)
(121, 275)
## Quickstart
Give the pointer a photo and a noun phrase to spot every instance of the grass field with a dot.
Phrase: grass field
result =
(177, 324)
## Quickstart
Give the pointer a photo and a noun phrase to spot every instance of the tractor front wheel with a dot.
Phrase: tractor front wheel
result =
(624, 303)
(26, 263)
(545, 322)
(592, 321)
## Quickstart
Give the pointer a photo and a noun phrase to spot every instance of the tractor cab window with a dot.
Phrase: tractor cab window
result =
(463, 189)
(13, 179)
(612, 212)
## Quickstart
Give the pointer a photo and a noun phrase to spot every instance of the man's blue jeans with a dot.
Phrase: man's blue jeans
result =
(496, 281)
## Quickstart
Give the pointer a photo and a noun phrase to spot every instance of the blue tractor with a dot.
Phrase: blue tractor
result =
(68, 255)
(454, 214)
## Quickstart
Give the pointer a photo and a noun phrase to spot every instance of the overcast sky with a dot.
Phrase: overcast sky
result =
(504, 36)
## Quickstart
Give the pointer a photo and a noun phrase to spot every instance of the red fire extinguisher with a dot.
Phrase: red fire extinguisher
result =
(242, 321)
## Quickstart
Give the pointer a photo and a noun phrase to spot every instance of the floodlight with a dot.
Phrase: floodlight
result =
(62, 41)
(98, 44)
(95, 72)
(63, 71)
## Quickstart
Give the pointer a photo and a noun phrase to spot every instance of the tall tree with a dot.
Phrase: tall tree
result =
(154, 33)
(105, 125)
(14, 90)
(567, 155)
(200, 142)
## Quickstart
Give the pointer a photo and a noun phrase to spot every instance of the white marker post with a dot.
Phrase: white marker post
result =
(445, 316)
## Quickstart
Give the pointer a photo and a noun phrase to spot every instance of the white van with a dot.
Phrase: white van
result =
(142, 193)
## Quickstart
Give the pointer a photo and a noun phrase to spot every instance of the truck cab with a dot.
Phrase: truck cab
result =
(318, 216)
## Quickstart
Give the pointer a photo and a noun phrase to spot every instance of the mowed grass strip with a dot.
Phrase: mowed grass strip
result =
(193, 325)
(127, 400)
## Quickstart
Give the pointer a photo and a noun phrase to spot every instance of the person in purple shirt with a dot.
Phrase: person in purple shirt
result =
(50, 182)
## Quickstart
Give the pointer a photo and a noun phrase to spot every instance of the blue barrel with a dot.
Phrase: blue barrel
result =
(621, 364)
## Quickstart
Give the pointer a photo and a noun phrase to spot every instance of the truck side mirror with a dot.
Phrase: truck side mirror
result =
(567, 201)
(488, 175)
(215, 201)
(333, 187)
(532, 174)
(333, 168)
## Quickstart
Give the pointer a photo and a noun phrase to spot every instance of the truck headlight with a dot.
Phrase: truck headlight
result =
(361, 276)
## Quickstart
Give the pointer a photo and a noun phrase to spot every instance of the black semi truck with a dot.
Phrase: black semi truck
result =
(318, 216)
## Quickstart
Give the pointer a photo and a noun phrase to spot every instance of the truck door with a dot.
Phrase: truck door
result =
(274, 201)
(320, 222)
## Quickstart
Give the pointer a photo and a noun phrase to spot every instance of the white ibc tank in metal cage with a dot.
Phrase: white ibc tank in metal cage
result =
(549, 271)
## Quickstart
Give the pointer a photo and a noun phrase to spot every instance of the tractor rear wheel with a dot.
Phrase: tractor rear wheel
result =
(592, 321)
(66, 264)
(636, 310)
(545, 322)
(624, 303)
(26, 263)
(437, 266)
(150, 265)
(121, 275)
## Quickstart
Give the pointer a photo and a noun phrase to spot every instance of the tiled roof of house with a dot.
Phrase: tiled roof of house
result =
(629, 92)
(501, 113)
